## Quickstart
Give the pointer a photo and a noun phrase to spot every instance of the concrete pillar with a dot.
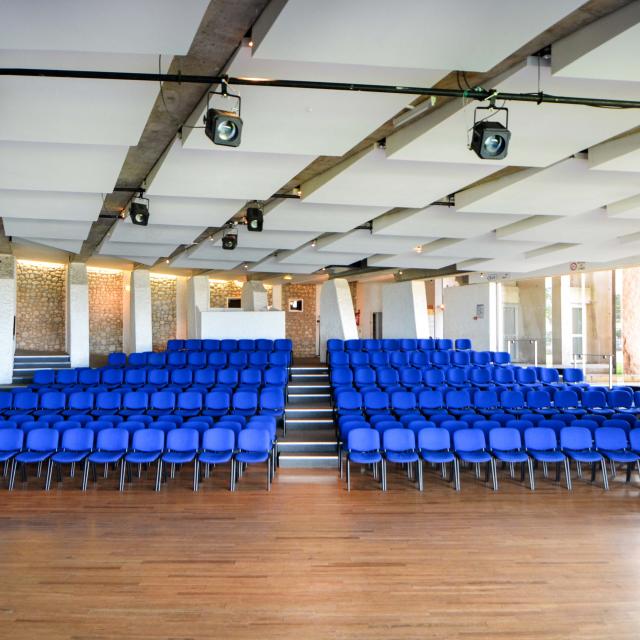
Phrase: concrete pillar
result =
(77, 312)
(404, 310)
(197, 300)
(337, 319)
(182, 322)
(561, 320)
(276, 297)
(254, 296)
(438, 309)
(140, 311)
(7, 317)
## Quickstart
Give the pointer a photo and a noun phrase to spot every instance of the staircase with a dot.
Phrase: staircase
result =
(311, 440)
(25, 365)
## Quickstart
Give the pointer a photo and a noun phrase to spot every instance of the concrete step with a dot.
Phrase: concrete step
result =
(308, 460)
(302, 398)
(307, 446)
(309, 423)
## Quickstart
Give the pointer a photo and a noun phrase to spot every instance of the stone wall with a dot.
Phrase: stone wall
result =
(631, 320)
(105, 311)
(40, 308)
(219, 291)
(301, 327)
(163, 310)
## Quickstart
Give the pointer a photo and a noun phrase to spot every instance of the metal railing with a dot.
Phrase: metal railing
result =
(581, 359)
(516, 342)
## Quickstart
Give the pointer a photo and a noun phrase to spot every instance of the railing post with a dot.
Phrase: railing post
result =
(535, 352)
(610, 356)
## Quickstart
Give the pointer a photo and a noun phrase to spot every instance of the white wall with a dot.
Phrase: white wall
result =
(460, 319)
(197, 300)
(77, 314)
(233, 323)
(337, 319)
(7, 317)
(369, 302)
(254, 296)
(404, 310)
(140, 311)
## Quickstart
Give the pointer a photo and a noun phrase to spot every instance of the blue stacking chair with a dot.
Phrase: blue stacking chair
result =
(161, 403)
(461, 359)
(504, 378)
(228, 345)
(463, 344)
(76, 446)
(481, 378)
(612, 444)
(501, 358)
(372, 344)
(444, 344)
(574, 378)
(349, 402)
(237, 360)
(48, 419)
(156, 360)
(218, 446)
(244, 403)
(51, 402)
(196, 360)
(596, 402)
(390, 344)
(6, 402)
(107, 403)
(137, 360)
(227, 380)
(116, 360)
(399, 447)
(352, 345)
(217, 360)
(408, 344)
(431, 403)
(111, 447)
(181, 379)
(250, 380)
(258, 360)
(404, 403)
(486, 402)
(339, 359)
(440, 359)
(399, 359)
(157, 379)
(182, 448)
(147, 446)
(566, 401)
(458, 403)
(379, 359)
(254, 447)
(11, 441)
(434, 446)
(272, 403)
(364, 379)
(358, 359)
(634, 441)
(134, 403)
(550, 378)
(193, 344)
(334, 345)
(344, 428)
(24, 403)
(264, 344)
(577, 444)
(419, 359)
(621, 401)
(426, 344)
(513, 402)
(189, 404)
(210, 344)
(111, 378)
(43, 379)
(481, 359)
(411, 379)
(41, 444)
(280, 359)
(456, 378)
(541, 444)
(276, 377)
(246, 344)
(388, 380)
(470, 446)
(527, 378)
(89, 379)
(506, 445)
(376, 403)
(203, 380)
(434, 379)
(80, 403)
(175, 345)
(617, 424)
(66, 380)
(540, 402)
(176, 359)
(217, 403)
(363, 447)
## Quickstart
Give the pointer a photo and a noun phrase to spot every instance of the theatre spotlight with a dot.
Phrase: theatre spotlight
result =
(230, 238)
(139, 211)
(490, 139)
(223, 127)
(254, 218)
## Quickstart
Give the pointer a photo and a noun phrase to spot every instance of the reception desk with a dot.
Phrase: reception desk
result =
(235, 323)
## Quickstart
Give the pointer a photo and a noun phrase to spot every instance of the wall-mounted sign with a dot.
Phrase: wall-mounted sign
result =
(479, 311)
(296, 305)
(577, 266)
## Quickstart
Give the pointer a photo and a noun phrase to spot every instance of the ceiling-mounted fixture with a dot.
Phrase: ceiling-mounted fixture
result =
(490, 139)
(254, 217)
(230, 238)
(223, 127)
(139, 211)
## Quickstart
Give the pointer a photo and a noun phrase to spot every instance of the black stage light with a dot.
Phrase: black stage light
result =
(230, 239)
(139, 213)
(490, 140)
(254, 219)
(223, 127)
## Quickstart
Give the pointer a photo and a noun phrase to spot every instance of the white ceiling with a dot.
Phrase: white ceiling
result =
(411, 260)
(364, 240)
(211, 251)
(52, 229)
(126, 231)
(404, 33)
(620, 154)
(192, 212)
(314, 256)
(271, 265)
(273, 240)
(627, 208)
(142, 249)
(50, 205)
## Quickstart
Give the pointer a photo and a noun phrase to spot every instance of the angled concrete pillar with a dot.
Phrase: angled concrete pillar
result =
(77, 312)
(254, 296)
(182, 322)
(7, 317)
(404, 310)
(140, 311)
(337, 319)
(197, 300)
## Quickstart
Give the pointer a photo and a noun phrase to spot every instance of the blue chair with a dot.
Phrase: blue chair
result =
(244, 403)
(540, 402)
(41, 444)
(272, 403)
(161, 403)
(462, 344)
(541, 444)
(434, 379)
(431, 403)
(577, 444)
(254, 447)
(419, 359)
(264, 344)
(444, 344)
(258, 360)
(51, 403)
(156, 360)
(614, 423)
(24, 403)
(246, 344)
(276, 377)
(403, 403)
(371, 345)
(456, 378)
(388, 379)
(11, 440)
(76, 446)
(574, 378)
(196, 360)
(461, 359)
(364, 379)
(379, 359)
(89, 379)
(363, 447)
(210, 344)
(527, 378)
(390, 344)
(228, 344)
(622, 402)
(180, 380)
(440, 359)
(595, 402)
(203, 380)
(376, 403)
(189, 404)
(175, 345)
(399, 447)
(470, 446)
(358, 359)
(408, 344)
(481, 378)
(504, 378)
(486, 402)
(434, 446)
(426, 344)
(250, 380)
(43, 379)
(146, 448)
(334, 345)
(227, 380)
(157, 379)
(481, 359)
(80, 403)
(136, 361)
(612, 444)
(513, 402)
(237, 360)
(566, 401)
(106, 403)
(399, 359)
(217, 403)
(348, 402)
(176, 360)
(116, 360)
(550, 378)
(181, 448)
(352, 345)
(193, 344)
(217, 360)
(506, 445)
(134, 403)
(111, 379)
(217, 448)
(458, 402)
(411, 379)
(6, 402)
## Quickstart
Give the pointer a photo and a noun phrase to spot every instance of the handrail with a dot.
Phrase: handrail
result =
(533, 341)
(575, 357)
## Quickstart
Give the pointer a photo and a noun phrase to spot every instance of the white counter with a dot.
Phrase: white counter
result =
(235, 323)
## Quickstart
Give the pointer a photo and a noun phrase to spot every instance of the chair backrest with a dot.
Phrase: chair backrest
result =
(254, 440)
(463, 343)
(548, 375)
(228, 377)
(566, 398)
(512, 399)
(376, 401)
(116, 359)
(276, 377)
(182, 377)
(433, 377)
(334, 344)
(501, 358)
(386, 376)
(158, 377)
(258, 359)
(390, 344)
(481, 358)
(193, 344)
(210, 344)
(538, 399)
(251, 377)
(431, 399)
(283, 344)
(89, 377)
(137, 360)
(52, 400)
(108, 401)
(44, 377)
(272, 399)
(217, 359)
(135, 400)
(42, 439)
(480, 375)
(206, 377)
(505, 439)
(228, 345)
(190, 400)
(399, 359)
(238, 359)
(503, 375)
(444, 344)
(526, 375)
(175, 345)
(148, 440)
(77, 439)
(634, 439)
(398, 439)
(358, 358)
(572, 375)
(408, 344)
(618, 398)
(246, 344)
(352, 345)
(183, 439)
(25, 400)
(219, 439)
(155, 359)
(458, 399)
(456, 376)
(403, 400)
(176, 358)
(461, 358)
(440, 358)
(575, 438)
(468, 440)
(410, 376)
(264, 344)
(112, 377)
(162, 400)
(339, 358)
(245, 400)
(217, 400)
(363, 439)
(594, 399)
(11, 439)
(197, 358)
(81, 401)
(486, 399)
(371, 344)
(611, 438)
(520, 425)
(111, 439)
(434, 439)
(540, 439)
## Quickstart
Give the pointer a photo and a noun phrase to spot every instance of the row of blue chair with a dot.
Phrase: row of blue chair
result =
(420, 359)
(393, 344)
(229, 344)
(116, 445)
(508, 444)
(95, 380)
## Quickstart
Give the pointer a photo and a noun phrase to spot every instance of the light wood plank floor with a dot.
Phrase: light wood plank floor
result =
(310, 560)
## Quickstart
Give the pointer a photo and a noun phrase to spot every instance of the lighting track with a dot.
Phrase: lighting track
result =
(470, 94)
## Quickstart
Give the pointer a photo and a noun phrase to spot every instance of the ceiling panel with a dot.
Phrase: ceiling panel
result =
(70, 246)
(185, 262)
(192, 212)
(369, 178)
(405, 33)
(210, 251)
(301, 121)
(567, 129)
(229, 173)
(439, 221)
(54, 230)
(362, 240)
(132, 249)
(486, 246)
(607, 49)
(620, 154)
(313, 256)
(126, 26)
(272, 240)
(566, 188)
(270, 265)
(50, 205)
(628, 208)
(411, 260)
(126, 231)
(287, 214)
(60, 167)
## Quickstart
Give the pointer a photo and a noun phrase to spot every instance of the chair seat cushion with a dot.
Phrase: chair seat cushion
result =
(106, 457)
(68, 457)
(179, 457)
(29, 457)
(215, 457)
(511, 456)
(620, 456)
(7, 455)
(143, 457)
(437, 457)
(252, 457)
(547, 456)
(401, 457)
(583, 456)
(474, 456)
(363, 457)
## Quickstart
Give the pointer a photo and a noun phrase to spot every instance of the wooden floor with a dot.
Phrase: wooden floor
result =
(310, 560)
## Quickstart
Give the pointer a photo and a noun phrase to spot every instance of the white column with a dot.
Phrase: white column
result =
(77, 312)
(182, 321)
(7, 317)
(197, 300)
(438, 309)
(254, 296)
(140, 311)
(276, 297)
(337, 319)
(404, 310)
